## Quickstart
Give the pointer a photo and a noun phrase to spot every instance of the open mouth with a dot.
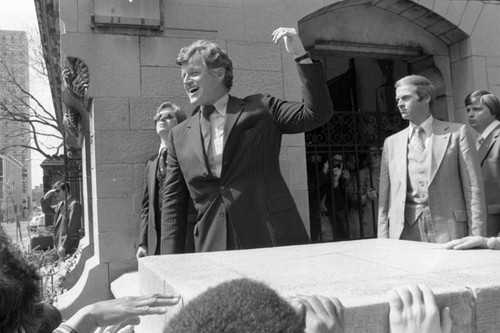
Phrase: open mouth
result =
(192, 90)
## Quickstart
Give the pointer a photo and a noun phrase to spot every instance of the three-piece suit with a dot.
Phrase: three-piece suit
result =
(150, 225)
(455, 184)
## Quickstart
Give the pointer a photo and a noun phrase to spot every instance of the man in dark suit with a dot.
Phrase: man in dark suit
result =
(484, 109)
(67, 217)
(167, 116)
(226, 156)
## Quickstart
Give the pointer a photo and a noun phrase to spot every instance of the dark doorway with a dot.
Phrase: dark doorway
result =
(343, 156)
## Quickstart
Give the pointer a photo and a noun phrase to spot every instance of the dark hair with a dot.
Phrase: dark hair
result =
(240, 305)
(20, 305)
(213, 57)
(424, 87)
(179, 115)
(62, 185)
(482, 96)
(52, 318)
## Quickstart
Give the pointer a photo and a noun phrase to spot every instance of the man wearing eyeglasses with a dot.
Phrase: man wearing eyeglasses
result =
(167, 116)
(67, 217)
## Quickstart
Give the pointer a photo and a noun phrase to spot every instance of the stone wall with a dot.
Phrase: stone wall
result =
(133, 70)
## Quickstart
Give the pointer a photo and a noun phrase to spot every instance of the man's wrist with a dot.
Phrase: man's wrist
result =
(306, 55)
(83, 320)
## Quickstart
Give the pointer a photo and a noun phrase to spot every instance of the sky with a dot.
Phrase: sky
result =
(21, 15)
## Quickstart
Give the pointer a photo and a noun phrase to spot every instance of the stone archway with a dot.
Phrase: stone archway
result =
(399, 29)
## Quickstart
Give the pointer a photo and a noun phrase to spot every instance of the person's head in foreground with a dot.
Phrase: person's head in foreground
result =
(244, 305)
(20, 306)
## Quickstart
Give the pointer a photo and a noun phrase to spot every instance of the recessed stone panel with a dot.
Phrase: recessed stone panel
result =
(164, 82)
(114, 180)
(125, 147)
(111, 114)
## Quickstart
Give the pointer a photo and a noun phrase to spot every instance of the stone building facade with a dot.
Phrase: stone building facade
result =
(130, 48)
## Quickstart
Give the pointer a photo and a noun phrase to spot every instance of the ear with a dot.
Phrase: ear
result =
(427, 99)
(219, 73)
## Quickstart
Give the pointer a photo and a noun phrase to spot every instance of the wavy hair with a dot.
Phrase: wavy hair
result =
(213, 56)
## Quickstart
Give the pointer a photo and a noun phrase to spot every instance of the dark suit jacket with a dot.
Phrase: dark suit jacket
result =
(489, 156)
(251, 192)
(66, 226)
(150, 226)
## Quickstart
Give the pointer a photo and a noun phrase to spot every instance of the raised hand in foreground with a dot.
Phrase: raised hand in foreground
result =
(114, 314)
(322, 314)
(413, 309)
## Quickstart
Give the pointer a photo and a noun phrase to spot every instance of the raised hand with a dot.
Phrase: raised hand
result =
(293, 44)
(118, 312)
(413, 309)
(322, 314)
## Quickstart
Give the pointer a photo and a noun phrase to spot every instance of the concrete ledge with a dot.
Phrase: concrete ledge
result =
(126, 285)
(359, 273)
(85, 252)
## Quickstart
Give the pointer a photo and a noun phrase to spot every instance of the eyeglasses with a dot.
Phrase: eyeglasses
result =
(163, 116)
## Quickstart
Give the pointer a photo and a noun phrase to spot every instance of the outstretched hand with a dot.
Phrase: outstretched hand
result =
(465, 243)
(413, 309)
(293, 44)
(322, 314)
(119, 312)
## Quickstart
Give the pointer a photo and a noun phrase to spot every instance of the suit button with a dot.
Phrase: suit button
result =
(222, 188)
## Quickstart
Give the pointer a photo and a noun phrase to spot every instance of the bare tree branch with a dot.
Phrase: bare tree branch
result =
(26, 113)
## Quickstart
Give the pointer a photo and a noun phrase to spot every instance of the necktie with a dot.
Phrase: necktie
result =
(206, 129)
(479, 142)
(162, 160)
(417, 139)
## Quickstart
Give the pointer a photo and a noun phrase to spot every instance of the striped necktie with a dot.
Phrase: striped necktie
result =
(417, 139)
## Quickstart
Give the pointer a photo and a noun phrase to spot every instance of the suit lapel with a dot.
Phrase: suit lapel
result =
(60, 212)
(153, 167)
(440, 138)
(233, 111)
(194, 134)
(488, 144)
(401, 145)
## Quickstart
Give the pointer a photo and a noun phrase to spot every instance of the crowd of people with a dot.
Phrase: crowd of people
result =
(216, 184)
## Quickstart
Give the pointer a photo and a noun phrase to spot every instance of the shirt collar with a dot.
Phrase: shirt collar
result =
(221, 104)
(161, 147)
(490, 128)
(426, 126)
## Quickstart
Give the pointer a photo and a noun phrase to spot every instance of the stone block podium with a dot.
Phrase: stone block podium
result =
(359, 273)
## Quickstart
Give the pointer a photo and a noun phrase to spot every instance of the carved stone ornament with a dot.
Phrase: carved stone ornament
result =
(76, 103)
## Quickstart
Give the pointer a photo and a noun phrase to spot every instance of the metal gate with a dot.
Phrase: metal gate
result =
(343, 166)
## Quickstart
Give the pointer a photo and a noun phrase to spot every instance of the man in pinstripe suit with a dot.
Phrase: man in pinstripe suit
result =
(226, 156)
